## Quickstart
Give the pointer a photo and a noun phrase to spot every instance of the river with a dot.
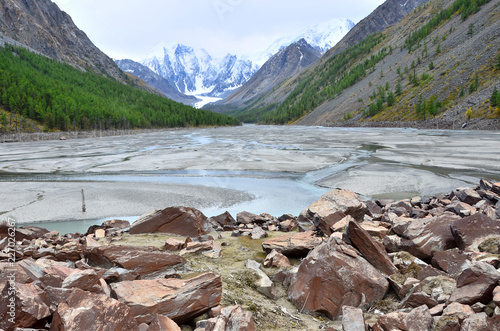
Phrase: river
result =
(274, 169)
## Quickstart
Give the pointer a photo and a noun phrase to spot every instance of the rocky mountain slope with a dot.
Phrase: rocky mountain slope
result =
(42, 26)
(287, 62)
(156, 81)
(391, 12)
(441, 71)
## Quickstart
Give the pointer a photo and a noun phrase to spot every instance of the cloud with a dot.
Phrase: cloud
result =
(130, 28)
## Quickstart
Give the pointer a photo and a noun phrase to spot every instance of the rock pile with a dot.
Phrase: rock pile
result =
(416, 264)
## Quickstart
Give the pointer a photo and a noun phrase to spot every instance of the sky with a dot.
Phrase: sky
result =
(131, 29)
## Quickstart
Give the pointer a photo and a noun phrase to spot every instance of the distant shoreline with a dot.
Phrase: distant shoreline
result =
(437, 124)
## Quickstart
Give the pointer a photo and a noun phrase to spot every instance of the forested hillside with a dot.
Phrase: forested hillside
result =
(37, 92)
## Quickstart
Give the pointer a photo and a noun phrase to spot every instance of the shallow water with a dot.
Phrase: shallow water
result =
(256, 168)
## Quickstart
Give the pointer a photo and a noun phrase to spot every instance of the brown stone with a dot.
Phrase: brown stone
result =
(391, 321)
(163, 323)
(296, 245)
(178, 299)
(116, 224)
(206, 246)
(496, 296)
(30, 311)
(331, 208)
(452, 261)
(224, 219)
(468, 195)
(331, 277)
(459, 310)
(245, 217)
(275, 259)
(372, 250)
(86, 280)
(71, 251)
(425, 236)
(263, 284)
(471, 231)
(476, 284)
(353, 319)
(375, 231)
(419, 318)
(142, 260)
(183, 221)
(480, 322)
(233, 318)
(22, 232)
(172, 244)
(82, 310)
(288, 225)
(447, 323)
(460, 208)
(100, 233)
(258, 233)
(431, 291)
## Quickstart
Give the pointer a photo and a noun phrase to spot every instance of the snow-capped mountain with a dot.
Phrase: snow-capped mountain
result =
(196, 72)
(322, 36)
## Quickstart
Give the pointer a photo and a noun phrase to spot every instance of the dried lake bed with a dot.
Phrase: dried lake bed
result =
(274, 169)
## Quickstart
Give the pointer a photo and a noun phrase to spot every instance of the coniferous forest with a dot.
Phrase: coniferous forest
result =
(61, 97)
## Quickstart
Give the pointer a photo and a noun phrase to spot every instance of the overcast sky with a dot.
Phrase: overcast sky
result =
(131, 28)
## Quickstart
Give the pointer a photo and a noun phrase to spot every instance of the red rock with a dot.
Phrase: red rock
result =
(447, 323)
(142, 260)
(71, 251)
(496, 296)
(331, 208)
(233, 318)
(288, 225)
(178, 299)
(163, 323)
(245, 217)
(297, 245)
(480, 322)
(182, 221)
(452, 261)
(29, 309)
(83, 310)
(390, 322)
(431, 291)
(172, 244)
(375, 231)
(372, 250)
(332, 276)
(275, 259)
(353, 319)
(460, 208)
(459, 310)
(100, 233)
(419, 318)
(116, 224)
(425, 236)
(476, 284)
(263, 284)
(471, 231)
(86, 280)
(196, 247)
(224, 219)
(468, 195)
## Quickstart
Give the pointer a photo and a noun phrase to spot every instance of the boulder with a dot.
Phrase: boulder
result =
(353, 319)
(172, 244)
(425, 236)
(82, 310)
(263, 283)
(468, 195)
(458, 310)
(245, 217)
(233, 318)
(431, 291)
(116, 224)
(22, 232)
(331, 208)
(392, 321)
(258, 233)
(178, 299)
(86, 280)
(141, 260)
(452, 261)
(208, 248)
(183, 221)
(480, 322)
(334, 275)
(224, 219)
(163, 323)
(24, 309)
(419, 318)
(276, 259)
(373, 251)
(476, 284)
(100, 233)
(470, 232)
(460, 208)
(295, 245)
(70, 251)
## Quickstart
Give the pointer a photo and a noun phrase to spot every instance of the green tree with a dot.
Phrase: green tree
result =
(470, 30)
(494, 97)
(462, 93)
(438, 49)
(399, 88)
(431, 66)
(391, 99)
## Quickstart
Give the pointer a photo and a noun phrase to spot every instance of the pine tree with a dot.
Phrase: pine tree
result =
(399, 88)
(431, 66)
(494, 97)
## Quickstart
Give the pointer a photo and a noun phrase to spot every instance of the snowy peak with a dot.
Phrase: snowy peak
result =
(322, 36)
(196, 72)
